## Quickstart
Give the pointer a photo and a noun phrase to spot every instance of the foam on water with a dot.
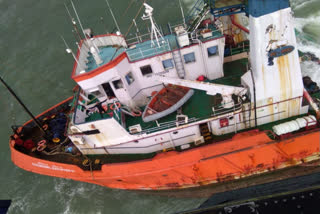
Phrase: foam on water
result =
(308, 37)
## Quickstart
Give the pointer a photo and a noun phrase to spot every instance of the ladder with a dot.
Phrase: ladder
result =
(177, 58)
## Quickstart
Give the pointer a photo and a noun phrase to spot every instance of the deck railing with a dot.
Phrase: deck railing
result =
(240, 48)
(148, 50)
(216, 113)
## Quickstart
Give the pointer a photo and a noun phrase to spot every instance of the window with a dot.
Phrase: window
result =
(213, 51)
(95, 92)
(118, 84)
(188, 58)
(167, 64)
(129, 78)
(145, 70)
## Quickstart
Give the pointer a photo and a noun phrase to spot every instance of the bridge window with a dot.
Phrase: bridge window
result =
(167, 64)
(129, 78)
(145, 70)
(188, 58)
(118, 84)
(213, 51)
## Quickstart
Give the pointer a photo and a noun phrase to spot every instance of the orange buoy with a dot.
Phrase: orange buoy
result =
(113, 105)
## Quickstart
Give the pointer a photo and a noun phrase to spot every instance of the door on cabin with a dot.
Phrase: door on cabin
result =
(121, 91)
(109, 91)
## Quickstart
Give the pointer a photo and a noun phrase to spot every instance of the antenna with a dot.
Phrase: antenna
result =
(154, 30)
(184, 20)
(114, 19)
(75, 11)
(69, 50)
(73, 23)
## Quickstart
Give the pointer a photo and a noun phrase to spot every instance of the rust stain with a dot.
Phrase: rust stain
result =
(99, 138)
(264, 80)
(285, 83)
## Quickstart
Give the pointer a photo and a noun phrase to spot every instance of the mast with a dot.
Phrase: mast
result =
(74, 24)
(114, 19)
(182, 13)
(23, 106)
(154, 30)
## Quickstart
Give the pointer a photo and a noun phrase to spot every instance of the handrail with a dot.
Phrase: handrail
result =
(171, 124)
(140, 53)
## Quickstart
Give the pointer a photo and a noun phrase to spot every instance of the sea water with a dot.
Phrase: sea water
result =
(35, 64)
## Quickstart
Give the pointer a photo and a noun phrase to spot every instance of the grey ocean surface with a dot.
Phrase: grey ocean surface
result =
(35, 64)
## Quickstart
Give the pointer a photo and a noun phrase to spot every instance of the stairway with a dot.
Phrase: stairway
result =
(205, 132)
(195, 10)
(197, 13)
(177, 58)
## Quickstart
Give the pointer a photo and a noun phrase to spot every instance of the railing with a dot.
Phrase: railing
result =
(148, 50)
(98, 41)
(143, 35)
(243, 47)
(216, 113)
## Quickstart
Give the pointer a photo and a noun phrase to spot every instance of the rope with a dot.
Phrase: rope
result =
(144, 1)
(130, 4)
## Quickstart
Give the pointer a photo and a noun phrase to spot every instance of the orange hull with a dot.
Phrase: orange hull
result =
(245, 154)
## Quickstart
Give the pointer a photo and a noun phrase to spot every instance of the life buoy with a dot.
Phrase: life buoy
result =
(42, 142)
(136, 114)
(41, 145)
(41, 148)
(45, 127)
(115, 105)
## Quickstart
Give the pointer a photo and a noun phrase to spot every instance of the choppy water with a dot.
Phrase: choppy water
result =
(34, 63)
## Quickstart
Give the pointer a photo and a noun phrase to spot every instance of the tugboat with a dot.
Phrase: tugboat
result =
(230, 112)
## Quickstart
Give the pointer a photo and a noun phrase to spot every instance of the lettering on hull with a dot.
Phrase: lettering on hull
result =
(52, 167)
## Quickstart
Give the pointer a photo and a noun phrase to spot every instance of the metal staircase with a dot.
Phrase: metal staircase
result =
(197, 13)
(177, 58)
(200, 9)
(227, 10)
(205, 132)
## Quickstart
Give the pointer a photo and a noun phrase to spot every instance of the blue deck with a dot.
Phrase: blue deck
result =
(106, 54)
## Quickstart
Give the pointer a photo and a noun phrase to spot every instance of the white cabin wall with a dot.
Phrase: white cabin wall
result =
(194, 69)
(157, 142)
(215, 63)
(93, 82)
(147, 84)
(233, 126)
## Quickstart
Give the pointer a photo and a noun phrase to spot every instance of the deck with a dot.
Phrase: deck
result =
(169, 42)
(199, 106)
(107, 53)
